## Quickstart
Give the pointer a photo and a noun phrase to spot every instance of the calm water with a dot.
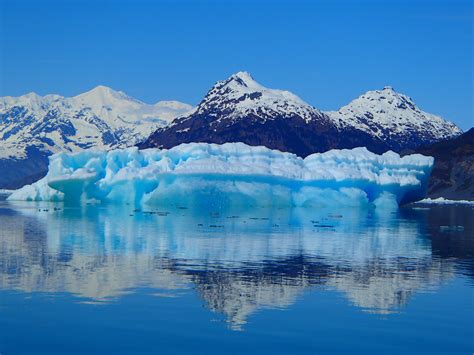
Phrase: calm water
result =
(108, 280)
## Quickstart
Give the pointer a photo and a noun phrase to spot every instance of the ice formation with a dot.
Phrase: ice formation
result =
(231, 174)
(444, 201)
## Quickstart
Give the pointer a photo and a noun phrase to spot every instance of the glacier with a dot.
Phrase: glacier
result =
(231, 174)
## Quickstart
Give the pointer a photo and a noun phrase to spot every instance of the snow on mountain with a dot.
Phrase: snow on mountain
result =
(394, 118)
(239, 109)
(101, 117)
(241, 96)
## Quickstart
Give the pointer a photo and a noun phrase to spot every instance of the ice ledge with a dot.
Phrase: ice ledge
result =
(231, 174)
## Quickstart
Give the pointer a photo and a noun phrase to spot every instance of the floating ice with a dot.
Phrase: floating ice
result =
(231, 174)
(444, 201)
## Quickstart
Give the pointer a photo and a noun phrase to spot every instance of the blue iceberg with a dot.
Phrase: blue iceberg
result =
(231, 174)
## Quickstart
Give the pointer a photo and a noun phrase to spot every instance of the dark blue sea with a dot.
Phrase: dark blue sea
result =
(114, 279)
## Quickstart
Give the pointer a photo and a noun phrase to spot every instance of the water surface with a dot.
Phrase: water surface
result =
(105, 279)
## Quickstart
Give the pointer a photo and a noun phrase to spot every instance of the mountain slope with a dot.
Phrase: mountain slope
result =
(32, 127)
(101, 118)
(395, 119)
(241, 110)
(453, 173)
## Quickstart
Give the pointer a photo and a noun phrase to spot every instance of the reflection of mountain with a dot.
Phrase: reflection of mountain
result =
(385, 286)
(239, 292)
(446, 243)
(36, 263)
(380, 286)
(238, 265)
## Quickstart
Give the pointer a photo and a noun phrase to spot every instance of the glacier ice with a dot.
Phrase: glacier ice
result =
(212, 175)
(444, 201)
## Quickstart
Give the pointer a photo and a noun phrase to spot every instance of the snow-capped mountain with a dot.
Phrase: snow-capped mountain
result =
(101, 118)
(238, 109)
(33, 127)
(395, 119)
(241, 96)
(241, 110)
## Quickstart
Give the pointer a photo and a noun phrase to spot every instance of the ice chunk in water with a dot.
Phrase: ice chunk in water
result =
(232, 174)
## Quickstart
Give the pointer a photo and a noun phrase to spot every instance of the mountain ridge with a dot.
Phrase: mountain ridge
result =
(101, 117)
(241, 109)
(394, 116)
(237, 109)
(32, 127)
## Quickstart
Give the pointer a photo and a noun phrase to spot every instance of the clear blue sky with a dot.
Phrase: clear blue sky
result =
(327, 52)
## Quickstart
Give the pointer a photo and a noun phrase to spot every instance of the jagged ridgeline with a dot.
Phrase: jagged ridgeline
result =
(241, 110)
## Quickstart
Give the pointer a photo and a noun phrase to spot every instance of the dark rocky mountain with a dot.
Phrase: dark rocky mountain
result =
(241, 110)
(453, 172)
(15, 173)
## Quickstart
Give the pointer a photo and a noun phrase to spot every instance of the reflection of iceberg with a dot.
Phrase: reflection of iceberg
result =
(260, 259)
(232, 174)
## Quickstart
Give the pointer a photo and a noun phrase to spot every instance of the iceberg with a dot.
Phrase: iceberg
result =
(444, 201)
(231, 174)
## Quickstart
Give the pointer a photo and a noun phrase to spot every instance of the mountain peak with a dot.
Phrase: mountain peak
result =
(241, 96)
(388, 97)
(100, 117)
(31, 95)
(386, 110)
(31, 98)
(104, 95)
(103, 90)
(241, 81)
(243, 77)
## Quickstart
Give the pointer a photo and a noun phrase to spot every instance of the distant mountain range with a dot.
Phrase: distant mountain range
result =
(32, 127)
(241, 110)
(101, 118)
